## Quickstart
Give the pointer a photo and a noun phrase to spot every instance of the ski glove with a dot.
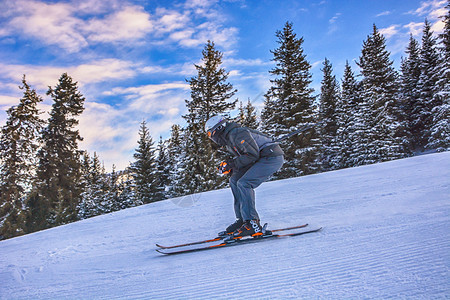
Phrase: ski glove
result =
(226, 167)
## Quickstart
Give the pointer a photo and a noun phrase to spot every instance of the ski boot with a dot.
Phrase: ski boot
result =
(249, 228)
(232, 228)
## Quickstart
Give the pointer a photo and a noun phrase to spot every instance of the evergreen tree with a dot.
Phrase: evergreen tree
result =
(94, 200)
(328, 117)
(128, 195)
(57, 193)
(210, 95)
(18, 147)
(113, 194)
(144, 169)
(163, 167)
(421, 113)
(247, 115)
(383, 137)
(440, 129)
(350, 122)
(289, 104)
(410, 76)
(176, 156)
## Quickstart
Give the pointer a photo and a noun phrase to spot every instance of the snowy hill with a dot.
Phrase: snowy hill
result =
(386, 234)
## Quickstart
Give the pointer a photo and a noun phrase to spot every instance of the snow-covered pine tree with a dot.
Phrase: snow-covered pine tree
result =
(18, 147)
(143, 169)
(427, 85)
(289, 104)
(328, 117)
(176, 158)
(127, 190)
(350, 120)
(383, 136)
(113, 193)
(94, 199)
(247, 115)
(57, 190)
(440, 129)
(409, 92)
(86, 206)
(210, 95)
(163, 170)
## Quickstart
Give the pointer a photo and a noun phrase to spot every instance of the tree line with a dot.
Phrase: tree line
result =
(46, 180)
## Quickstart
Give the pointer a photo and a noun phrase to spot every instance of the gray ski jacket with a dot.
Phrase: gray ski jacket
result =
(247, 145)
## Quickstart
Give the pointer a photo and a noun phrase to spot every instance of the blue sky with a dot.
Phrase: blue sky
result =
(131, 57)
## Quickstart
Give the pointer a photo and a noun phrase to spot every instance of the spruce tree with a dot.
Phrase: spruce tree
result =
(410, 76)
(114, 191)
(18, 147)
(383, 137)
(163, 170)
(210, 95)
(57, 192)
(86, 205)
(427, 85)
(328, 117)
(176, 156)
(289, 104)
(128, 195)
(440, 129)
(351, 123)
(94, 199)
(247, 115)
(143, 169)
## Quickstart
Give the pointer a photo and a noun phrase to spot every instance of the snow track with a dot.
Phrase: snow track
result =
(386, 235)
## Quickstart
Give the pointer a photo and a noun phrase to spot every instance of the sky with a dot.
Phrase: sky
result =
(131, 58)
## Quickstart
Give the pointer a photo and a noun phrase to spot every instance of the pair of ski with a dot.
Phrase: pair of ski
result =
(226, 241)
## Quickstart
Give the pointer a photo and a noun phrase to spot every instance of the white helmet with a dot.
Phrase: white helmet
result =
(214, 123)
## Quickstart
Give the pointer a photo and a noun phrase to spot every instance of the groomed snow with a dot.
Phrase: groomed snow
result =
(386, 235)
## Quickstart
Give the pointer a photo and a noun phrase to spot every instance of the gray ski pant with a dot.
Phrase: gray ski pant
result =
(244, 181)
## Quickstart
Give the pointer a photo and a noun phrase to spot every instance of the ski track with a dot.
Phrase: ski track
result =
(386, 235)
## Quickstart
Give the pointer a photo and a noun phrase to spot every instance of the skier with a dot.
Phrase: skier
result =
(255, 158)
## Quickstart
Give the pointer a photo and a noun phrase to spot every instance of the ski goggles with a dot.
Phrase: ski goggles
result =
(212, 132)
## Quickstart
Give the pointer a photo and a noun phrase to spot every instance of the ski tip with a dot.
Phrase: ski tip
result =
(160, 246)
(162, 252)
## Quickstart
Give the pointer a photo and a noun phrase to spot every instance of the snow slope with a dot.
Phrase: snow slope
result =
(386, 234)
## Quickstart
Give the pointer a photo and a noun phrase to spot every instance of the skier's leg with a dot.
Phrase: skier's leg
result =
(257, 174)
(234, 189)
(236, 175)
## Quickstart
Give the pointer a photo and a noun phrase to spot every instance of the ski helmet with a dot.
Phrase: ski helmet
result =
(214, 124)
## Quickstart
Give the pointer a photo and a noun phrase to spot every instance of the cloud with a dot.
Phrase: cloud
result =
(316, 63)
(53, 24)
(398, 34)
(93, 72)
(390, 31)
(414, 28)
(433, 10)
(130, 23)
(332, 23)
(384, 13)
(170, 20)
(8, 101)
(157, 99)
(429, 8)
(113, 130)
(104, 128)
(76, 25)
(334, 19)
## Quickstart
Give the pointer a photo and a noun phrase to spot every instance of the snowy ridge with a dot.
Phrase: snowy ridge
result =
(386, 234)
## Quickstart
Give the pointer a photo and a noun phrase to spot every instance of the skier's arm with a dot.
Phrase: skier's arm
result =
(246, 148)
